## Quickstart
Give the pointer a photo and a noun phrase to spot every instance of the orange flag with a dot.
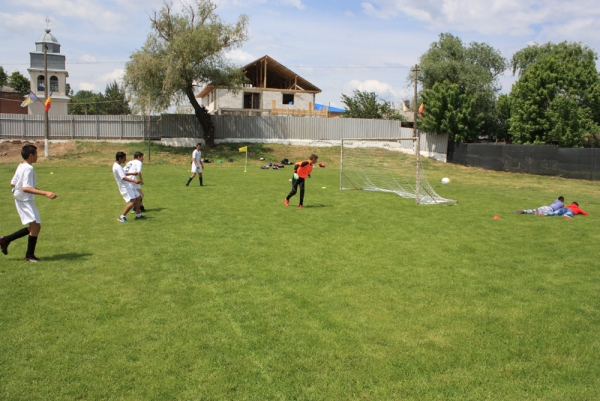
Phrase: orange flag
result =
(421, 109)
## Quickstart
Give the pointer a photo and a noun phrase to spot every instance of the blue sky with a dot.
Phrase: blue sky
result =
(311, 37)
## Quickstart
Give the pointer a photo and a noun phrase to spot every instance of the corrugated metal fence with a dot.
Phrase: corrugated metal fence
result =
(231, 128)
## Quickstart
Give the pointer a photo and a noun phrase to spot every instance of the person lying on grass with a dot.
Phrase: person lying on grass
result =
(557, 204)
(567, 212)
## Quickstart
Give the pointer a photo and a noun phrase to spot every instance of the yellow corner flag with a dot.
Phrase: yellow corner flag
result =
(244, 149)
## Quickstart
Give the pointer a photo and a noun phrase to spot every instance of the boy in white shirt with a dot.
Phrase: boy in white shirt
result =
(24, 188)
(197, 164)
(129, 193)
(134, 168)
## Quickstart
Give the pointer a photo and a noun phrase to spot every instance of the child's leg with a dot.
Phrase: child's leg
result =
(128, 207)
(34, 231)
(200, 178)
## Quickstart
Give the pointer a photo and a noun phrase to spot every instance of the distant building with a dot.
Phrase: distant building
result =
(57, 74)
(10, 101)
(273, 89)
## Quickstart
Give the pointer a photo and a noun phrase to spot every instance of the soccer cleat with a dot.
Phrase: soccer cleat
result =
(140, 217)
(537, 212)
(142, 209)
(300, 207)
(133, 211)
(3, 246)
(564, 216)
(286, 202)
(31, 259)
(122, 219)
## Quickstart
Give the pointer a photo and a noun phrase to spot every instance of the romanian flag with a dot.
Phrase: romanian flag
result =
(421, 109)
(244, 149)
(29, 98)
(48, 102)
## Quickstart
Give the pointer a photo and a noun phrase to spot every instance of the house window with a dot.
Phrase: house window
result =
(288, 98)
(251, 100)
(41, 83)
(53, 84)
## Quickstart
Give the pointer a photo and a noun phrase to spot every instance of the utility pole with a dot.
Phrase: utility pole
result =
(417, 139)
(46, 122)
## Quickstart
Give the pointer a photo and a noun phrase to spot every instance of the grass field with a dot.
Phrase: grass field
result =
(225, 294)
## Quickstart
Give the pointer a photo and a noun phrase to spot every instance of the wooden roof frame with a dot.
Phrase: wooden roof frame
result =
(266, 73)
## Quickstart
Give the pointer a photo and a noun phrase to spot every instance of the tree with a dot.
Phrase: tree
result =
(557, 96)
(115, 100)
(3, 77)
(474, 69)
(363, 104)
(19, 83)
(182, 53)
(449, 111)
(112, 102)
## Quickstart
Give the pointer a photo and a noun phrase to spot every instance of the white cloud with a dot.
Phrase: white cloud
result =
(86, 86)
(93, 12)
(252, 3)
(383, 90)
(513, 17)
(86, 58)
(349, 13)
(240, 56)
(115, 75)
(294, 3)
(21, 22)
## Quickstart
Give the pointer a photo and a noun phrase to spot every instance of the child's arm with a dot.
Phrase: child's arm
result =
(36, 191)
(140, 178)
(131, 180)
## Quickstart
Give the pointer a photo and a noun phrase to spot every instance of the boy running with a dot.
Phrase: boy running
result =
(129, 193)
(302, 170)
(134, 168)
(24, 188)
(197, 164)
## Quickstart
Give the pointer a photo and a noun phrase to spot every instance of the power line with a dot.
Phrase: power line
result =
(292, 66)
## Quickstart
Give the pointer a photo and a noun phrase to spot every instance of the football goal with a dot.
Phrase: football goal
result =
(387, 165)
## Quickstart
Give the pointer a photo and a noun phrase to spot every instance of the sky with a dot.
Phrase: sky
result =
(339, 46)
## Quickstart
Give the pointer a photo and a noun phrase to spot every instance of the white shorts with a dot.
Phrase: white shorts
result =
(136, 186)
(28, 212)
(129, 193)
(196, 169)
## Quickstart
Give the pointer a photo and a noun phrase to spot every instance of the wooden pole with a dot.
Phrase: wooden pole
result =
(46, 121)
(265, 84)
(417, 139)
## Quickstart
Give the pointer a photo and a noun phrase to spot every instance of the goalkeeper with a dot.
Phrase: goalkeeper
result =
(302, 170)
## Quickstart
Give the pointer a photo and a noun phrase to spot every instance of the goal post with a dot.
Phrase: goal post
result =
(386, 165)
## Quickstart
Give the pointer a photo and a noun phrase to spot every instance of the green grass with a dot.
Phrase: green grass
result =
(225, 294)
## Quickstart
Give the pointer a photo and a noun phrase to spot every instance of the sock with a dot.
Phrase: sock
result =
(200, 180)
(188, 183)
(16, 235)
(124, 217)
(138, 215)
(31, 246)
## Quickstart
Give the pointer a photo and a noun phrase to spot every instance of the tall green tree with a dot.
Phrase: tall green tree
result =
(557, 96)
(112, 102)
(363, 104)
(19, 83)
(185, 51)
(450, 111)
(3, 77)
(474, 69)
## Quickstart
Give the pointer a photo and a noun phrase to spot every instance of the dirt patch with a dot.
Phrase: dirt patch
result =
(10, 151)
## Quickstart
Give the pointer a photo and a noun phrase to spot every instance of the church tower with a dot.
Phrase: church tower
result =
(57, 76)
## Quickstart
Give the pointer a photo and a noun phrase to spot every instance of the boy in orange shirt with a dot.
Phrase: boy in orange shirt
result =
(302, 170)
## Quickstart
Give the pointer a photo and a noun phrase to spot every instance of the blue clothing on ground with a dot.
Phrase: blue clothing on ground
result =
(557, 205)
(562, 211)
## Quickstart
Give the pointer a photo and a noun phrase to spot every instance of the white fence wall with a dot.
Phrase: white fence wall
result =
(274, 129)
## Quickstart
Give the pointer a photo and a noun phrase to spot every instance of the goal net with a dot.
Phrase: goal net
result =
(387, 165)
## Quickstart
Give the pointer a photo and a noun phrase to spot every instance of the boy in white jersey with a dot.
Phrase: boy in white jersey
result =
(24, 188)
(129, 193)
(134, 168)
(197, 164)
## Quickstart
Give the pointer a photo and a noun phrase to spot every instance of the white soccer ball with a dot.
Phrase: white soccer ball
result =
(445, 180)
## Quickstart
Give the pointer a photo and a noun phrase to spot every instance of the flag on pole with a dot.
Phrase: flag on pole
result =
(48, 102)
(405, 106)
(421, 109)
(244, 149)
(29, 98)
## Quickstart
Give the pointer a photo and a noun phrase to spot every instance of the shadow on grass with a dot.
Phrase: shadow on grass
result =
(155, 209)
(67, 256)
(318, 205)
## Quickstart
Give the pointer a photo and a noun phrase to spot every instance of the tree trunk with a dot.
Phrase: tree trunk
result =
(204, 118)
